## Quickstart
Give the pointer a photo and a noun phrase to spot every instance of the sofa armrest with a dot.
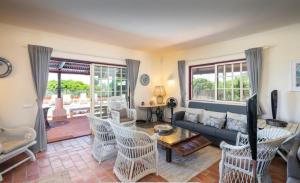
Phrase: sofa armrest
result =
(293, 164)
(178, 115)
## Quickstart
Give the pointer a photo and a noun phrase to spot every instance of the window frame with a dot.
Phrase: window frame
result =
(215, 64)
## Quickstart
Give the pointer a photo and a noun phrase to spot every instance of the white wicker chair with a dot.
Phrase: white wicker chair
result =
(137, 154)
(104, 144)
(117, 103)
(236, 162)
(14, 142)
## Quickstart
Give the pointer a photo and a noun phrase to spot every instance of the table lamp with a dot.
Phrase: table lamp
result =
(159, 92)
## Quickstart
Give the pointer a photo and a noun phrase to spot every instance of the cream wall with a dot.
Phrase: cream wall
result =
(17, 95)
(284, 46)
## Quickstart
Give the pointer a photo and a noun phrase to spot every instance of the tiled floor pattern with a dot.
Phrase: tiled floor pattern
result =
(75, 127)
(74, 156)
(71, 155)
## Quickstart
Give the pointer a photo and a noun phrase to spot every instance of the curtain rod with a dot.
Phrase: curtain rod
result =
(83, 54)
(229, 54)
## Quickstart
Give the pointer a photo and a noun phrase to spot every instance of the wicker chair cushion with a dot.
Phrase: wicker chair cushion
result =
(123, 113)
(122, 120)
(11, 139)
(12, 145)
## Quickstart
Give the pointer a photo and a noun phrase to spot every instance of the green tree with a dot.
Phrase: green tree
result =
(68, 87)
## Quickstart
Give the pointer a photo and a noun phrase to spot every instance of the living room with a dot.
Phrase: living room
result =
(158, 34)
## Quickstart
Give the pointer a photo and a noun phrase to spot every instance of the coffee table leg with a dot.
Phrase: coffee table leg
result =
(168, 155)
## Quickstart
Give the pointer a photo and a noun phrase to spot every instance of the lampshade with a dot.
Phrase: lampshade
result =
(159, 91)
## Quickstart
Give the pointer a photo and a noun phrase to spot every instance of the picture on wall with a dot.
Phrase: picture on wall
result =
(295, 73)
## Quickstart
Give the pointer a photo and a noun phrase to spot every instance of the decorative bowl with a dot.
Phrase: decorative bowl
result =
(163, 129)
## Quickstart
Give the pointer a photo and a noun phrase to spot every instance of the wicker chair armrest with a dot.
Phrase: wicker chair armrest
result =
(241, 139)
(154, 137)
(132, 114)
(226, 146)
(115, 116)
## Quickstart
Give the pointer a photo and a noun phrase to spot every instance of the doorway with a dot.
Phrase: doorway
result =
(71, 85)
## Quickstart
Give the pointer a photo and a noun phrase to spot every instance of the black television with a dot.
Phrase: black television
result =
(252, 129)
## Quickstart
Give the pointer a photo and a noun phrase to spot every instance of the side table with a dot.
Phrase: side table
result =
(156, 109)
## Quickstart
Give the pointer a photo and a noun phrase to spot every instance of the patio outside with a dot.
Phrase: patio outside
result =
(75, 92)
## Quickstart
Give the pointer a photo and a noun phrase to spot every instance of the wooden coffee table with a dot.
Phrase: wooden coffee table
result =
(182, 141)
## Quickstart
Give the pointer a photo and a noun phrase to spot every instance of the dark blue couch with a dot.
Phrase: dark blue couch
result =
(214, 134)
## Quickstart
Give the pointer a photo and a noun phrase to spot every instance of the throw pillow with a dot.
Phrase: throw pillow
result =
(236, 122)
(199, 112)
(214, 122)
(208, 114)
(191, 117)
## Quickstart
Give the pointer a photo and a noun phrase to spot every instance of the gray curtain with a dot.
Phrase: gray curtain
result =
(132, 76)
(39, 61)
(182, 82)
(254, 65)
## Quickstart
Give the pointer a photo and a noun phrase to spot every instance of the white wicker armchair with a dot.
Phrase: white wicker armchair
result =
(236, 162)
(117, 103)
(104, 144)
(137, 154)
(14, 142)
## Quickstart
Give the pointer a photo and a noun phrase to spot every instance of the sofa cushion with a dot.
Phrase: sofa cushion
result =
(205, 130)
(192, 117)
(184, 124)
(227, 135)
(196, 127)
(207, 114)
(214, 122)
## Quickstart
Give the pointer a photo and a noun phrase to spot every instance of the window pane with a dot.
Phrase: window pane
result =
(236, 95)
(221, 94)
(228, 94)
(203, 83)
(237, 75)
(246, 94)
(228, 73)
(124, 73)
(220, 76)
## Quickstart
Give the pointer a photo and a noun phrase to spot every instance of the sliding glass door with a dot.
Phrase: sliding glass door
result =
(106, 81)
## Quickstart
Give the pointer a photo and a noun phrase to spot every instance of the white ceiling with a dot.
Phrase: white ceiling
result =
(152, 24)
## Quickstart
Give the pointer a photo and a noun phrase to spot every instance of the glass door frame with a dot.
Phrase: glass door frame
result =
(114, 91)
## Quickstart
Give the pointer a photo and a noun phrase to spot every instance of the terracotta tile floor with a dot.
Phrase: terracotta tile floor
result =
(74, 156)
(74, 127)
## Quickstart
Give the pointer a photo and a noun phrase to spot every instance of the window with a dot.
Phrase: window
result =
(220, 81)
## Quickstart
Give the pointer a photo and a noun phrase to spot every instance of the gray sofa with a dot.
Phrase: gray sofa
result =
(293, 164)
(214, 134)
